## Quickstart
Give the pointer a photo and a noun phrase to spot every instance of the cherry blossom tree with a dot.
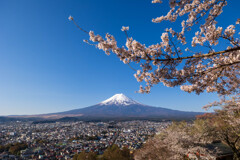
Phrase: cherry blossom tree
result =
(176, 62)
(184, 140)
(177, 142)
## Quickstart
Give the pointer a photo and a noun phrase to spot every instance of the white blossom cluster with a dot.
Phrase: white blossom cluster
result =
(156, 1)
(125, 28)
(231, 105)
(170, 62)
(70, 18)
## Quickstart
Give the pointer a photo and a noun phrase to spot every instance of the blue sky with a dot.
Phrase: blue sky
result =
(46, 67)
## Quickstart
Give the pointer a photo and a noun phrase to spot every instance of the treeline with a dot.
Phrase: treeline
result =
(14, 148)
(111, 153)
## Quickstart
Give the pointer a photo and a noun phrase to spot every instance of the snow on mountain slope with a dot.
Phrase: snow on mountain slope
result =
(119, 99)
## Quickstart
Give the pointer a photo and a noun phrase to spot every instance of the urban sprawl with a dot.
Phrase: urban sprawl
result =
(62, 140)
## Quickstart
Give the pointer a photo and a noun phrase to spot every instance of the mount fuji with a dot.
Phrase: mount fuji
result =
(116, 107)
(122, 106)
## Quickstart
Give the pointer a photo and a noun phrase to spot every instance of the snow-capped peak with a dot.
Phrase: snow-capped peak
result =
(119, 99)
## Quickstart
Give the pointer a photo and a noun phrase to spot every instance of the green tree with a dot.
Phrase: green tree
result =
(85, 156)
(115, 153)
(17, 147)
(2, 148)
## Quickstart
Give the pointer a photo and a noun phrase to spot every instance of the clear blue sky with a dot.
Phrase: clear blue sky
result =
(45, 66)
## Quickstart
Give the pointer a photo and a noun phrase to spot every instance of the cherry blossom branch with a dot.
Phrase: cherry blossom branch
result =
(162, 63)
(200, 56)
(70, 18)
